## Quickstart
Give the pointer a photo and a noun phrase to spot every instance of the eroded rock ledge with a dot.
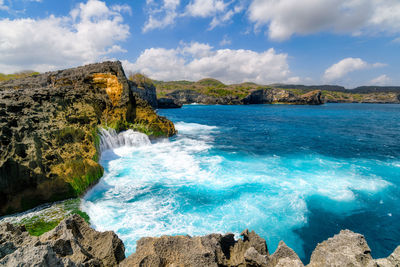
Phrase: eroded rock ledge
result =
(74, 243)
(49, 130)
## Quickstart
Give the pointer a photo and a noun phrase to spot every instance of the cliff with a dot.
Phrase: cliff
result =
(74, 243)
(49, 130)
(211, 91)
(261, 96)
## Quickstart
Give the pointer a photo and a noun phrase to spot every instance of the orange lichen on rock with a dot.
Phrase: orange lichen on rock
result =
(111, 84)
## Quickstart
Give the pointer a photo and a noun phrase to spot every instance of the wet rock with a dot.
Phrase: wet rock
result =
(71, 243)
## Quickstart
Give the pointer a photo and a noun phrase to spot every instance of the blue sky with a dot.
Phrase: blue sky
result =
(344, 42)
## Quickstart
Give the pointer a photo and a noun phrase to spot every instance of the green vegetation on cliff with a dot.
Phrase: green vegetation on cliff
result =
(17, 75)
(215, 88)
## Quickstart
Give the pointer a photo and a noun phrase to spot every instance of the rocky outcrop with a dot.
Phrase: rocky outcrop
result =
(71, 243)
(168, 103)
(74, 243)
(211, 250)
(345, 249)
(191, 96)
(261, 96)
(48, 131)
(272, 96)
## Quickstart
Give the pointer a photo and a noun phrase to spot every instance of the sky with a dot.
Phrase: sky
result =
(344, 42)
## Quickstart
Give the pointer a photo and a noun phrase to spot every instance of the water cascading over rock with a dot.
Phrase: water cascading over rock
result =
(110, 139)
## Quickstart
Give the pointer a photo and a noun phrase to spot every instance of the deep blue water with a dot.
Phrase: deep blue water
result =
(292, 173)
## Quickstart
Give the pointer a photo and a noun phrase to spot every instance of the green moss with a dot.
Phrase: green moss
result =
(37, 226)
(83, 176)
(48, 220)
(69, 135)
(120, 126)
(96, 142)
(72, 206)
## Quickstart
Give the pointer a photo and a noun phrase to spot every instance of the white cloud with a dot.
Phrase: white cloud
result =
(3, 6)
(196, 61)
(347, 65)
(90, 32)
(161, 15)
(205, 8)
(287, 17)
(380, 80)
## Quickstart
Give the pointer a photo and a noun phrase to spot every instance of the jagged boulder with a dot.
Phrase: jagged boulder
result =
(71, 243)
(210, 250)
(344, 249)
(48, 131)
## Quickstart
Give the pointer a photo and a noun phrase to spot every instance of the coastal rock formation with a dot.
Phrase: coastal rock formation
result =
(49, 131)
(344, 249)
(271, 96)
(168, 103)
(71, 243)
(261, 96)
(210, 250)
(144, 88)
(74, 243)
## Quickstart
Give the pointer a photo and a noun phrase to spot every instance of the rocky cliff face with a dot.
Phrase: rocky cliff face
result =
(262, 96)
(74, 243)
(48, 130)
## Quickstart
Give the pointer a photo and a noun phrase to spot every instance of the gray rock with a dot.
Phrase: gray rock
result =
(344, 249)
(71, 243)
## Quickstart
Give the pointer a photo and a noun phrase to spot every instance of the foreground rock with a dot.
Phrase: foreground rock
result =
(71, 243)
(74, 243)
(345, 249)
(49, 130)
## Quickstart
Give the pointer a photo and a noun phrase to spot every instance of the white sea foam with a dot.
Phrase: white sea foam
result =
(182, 186)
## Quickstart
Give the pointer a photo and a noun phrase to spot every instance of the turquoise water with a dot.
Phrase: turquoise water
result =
(292, 173)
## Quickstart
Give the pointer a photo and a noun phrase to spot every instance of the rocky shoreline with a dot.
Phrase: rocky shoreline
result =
(261, 96)
(74, 243)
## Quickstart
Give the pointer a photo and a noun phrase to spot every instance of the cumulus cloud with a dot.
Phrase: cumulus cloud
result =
(91, 31)
(345, 66)
(196, 61)
(287, 17)
(161, 15)
(380, 80)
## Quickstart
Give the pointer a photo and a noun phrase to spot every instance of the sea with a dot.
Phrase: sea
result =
(289, 172)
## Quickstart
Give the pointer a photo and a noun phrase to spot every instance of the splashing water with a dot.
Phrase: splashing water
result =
(110, 139)
(292, 173)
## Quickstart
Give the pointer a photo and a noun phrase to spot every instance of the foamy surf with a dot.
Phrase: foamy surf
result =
(193, 185)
